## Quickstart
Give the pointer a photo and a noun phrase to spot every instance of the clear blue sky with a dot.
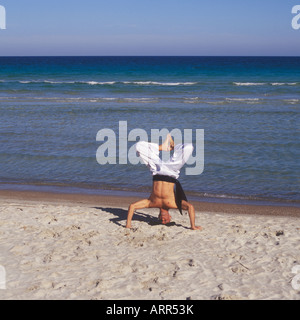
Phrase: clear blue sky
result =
(149, 27)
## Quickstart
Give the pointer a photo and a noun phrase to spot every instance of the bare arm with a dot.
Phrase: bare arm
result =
(134, 206)
(191, 210)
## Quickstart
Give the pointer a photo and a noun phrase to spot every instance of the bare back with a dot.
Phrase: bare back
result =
(162, 195)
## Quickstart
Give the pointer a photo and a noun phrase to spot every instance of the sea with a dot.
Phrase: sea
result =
(52, 108)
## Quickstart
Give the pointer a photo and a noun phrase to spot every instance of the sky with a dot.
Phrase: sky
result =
(149, 27)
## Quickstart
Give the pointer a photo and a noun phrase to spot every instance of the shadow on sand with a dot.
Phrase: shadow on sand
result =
(121, 215)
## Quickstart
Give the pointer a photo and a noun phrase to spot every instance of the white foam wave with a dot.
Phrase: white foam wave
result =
(284, 83)
(51, 82)
(249, 83)
(143, 100)
(145, 83)
(93, 83)
(66, 82)
(243, 99)
(38, 81)
(292, 101)
(265, 83)
(192, 100)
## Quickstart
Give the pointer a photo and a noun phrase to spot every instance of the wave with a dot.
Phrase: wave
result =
(83, 100)
(221, 101)
(265, 83)
(66, 82)
(145, 83)
(284, 83)
(171, 100)
(93, 83)
(249, 83)
(243, 99)
(292, 101)
(142, 100)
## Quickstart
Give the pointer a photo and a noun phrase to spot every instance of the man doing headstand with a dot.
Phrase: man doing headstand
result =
(165, 175)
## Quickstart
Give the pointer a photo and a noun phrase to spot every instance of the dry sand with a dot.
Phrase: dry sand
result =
(76, 247)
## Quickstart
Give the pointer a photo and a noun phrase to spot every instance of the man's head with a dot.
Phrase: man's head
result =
(164, 216)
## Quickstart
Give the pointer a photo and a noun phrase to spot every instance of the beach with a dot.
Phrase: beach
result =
(67, 134)
(66, 246)
(113, 106)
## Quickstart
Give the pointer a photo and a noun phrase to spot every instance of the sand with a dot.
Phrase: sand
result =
(76, 247)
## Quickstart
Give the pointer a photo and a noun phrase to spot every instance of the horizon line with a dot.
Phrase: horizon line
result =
(213, 56)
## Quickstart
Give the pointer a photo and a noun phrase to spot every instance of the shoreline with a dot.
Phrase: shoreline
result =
(192, 195)
(123, 200)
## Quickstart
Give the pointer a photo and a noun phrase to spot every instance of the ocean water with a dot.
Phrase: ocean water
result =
(51, 109)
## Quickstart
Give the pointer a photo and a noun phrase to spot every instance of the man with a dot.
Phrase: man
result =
(165, 175)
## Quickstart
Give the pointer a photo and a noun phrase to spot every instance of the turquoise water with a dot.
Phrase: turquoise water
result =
(51, 109)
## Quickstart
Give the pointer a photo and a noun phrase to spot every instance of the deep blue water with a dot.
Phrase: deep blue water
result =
(51, 109)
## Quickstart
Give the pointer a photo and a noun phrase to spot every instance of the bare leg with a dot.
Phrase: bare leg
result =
(191, 210)
(134, 206)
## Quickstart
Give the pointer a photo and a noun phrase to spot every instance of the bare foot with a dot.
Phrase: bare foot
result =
(168, 144)
(197, 228)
